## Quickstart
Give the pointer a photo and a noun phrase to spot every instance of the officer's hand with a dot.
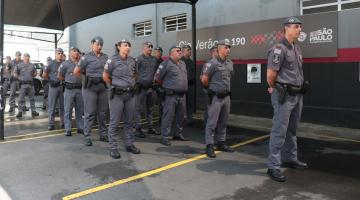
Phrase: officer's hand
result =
(270, 90)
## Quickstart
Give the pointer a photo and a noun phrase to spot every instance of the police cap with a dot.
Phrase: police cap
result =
(187, 47)
(59, 50)
(18, 53)
(174, 47)
(225, 42)
(159, 49)
(149, 44)
(26, 55)
(124, 41)
(97, 39)
(292, 20)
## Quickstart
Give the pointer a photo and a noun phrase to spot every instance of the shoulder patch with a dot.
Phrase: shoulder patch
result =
(276, 58)
(277, 51)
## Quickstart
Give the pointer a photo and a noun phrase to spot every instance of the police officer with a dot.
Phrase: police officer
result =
(214, 54)
(94, 91)
(285, 78)
(6, 77)
(159, 60)
(190, 94)
(14, 83)
(146, 66)
(217, 78)
(72, 94)
(56, 94)
(24, 72)
(45, 84)
(120, 72)
(172, 76)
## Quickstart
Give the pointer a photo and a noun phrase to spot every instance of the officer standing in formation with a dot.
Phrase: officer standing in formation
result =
(214, 54)
(120, 72)
(216, 76)
(285, 78)
(6, 77)
(159, 60)
(56, 94)
(72, 94)
(14, 83)
(172, 77)
(45, 84)
(190, 94)
(146, 66)
(24, 72)
(94, 91)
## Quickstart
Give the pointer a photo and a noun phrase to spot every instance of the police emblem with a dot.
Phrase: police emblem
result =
(276, 58)
(160, 66)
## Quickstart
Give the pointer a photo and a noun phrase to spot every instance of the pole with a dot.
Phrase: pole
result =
(194, 46)
(2, 103)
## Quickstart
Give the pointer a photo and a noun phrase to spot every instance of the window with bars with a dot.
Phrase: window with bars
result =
(175, 23)
(142, 29)
(318, 6)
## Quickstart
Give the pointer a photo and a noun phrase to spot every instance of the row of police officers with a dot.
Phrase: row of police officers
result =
(124, 87)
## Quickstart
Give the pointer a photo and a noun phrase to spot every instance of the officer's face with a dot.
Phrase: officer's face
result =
(74, 54)
(18, 57)
(176, 54)
(224, 50)
(124, 48)
(186, 52)
(26, 59)
(158, 53)
(214, 53)
(293, 30)
(8, 59)
(58, 55)
(148, 49)
(96, 47)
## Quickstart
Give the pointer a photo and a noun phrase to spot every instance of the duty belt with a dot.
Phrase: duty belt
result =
(55, 83)
(71, 86)
(220, 95)
(173, 92)
(25, 82)
(292, 90)
(121, 90)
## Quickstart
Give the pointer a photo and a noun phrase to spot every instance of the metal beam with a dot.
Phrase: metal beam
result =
(2, 103)
(193, 5)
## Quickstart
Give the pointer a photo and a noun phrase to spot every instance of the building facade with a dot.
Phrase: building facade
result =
(334, 96)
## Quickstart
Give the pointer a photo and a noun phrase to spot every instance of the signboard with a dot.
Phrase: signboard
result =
(254, 73)
(253, 39)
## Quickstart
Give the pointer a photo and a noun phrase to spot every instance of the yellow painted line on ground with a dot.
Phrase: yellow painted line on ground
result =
(33, 138)
(53, 133)
(335, 138)
(152, 172)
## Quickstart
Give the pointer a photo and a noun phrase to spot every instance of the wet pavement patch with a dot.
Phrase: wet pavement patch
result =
(112, 171)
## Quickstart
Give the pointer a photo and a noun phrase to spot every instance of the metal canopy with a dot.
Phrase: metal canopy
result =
(59, 14)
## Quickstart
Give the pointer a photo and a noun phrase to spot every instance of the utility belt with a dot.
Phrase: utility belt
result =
(170, 92)
(219, 95)
(71, 86)
(120, 91)
(90, 81)
(26, 82)
(55, 84)
(289, 89)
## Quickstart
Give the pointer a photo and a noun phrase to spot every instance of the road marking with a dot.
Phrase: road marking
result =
(152, 172)
(46, 134)
(335, 138)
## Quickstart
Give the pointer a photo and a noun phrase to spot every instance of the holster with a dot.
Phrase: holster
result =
(90, 81)
(119, 91)
(282, 90)
(160, 92)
